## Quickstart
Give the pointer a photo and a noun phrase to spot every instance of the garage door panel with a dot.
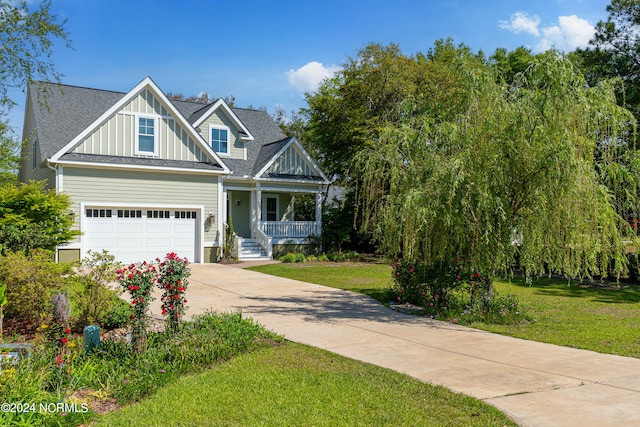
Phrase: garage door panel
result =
(128, 227)
(156, 226)
(99, 227)
(158, 242)
(105, 243)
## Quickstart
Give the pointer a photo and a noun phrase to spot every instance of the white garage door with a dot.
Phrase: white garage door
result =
(136, 235)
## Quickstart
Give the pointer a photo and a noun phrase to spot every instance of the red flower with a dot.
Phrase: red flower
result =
(64, 340)
(67, 331)
(176, 297)
(184, 300)
(130, 276)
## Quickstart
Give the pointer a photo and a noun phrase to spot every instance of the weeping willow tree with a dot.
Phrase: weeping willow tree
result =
(532, 171)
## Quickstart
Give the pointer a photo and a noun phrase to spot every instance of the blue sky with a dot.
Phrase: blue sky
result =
(267, 54)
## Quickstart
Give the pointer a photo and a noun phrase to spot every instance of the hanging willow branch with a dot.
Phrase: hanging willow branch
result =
(546, 158)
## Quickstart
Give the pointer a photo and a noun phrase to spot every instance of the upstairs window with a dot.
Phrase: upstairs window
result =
(147, 136)
(220, 139)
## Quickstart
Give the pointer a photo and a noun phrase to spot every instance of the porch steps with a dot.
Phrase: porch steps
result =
(251, 251)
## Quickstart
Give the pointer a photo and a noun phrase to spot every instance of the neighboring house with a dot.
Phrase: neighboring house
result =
(148, 175)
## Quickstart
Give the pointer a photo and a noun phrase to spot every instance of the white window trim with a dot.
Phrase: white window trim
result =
(156, 130)
(221, 127)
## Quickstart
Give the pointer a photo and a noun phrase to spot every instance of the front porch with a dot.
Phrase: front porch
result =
(264, 218)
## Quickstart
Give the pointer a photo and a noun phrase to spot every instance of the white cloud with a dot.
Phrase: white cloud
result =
(520, 22)
(308, 77)
(570, 33)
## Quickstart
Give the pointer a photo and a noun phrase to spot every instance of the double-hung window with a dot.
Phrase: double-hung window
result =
(146, 136)
(220, 139)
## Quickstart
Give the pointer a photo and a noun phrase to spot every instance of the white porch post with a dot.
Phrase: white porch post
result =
(319, 212)
(258, 216)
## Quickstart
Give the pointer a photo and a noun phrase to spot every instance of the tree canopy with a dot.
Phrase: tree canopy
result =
(615, 52)
(511, 177)
(27, 38)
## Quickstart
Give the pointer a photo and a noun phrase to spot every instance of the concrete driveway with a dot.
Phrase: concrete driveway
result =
(536, 384)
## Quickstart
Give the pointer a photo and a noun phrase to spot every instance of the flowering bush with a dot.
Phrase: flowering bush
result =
(430, 286)
(173, 282)
(138, 280)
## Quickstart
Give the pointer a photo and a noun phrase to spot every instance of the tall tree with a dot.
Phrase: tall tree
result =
(517, 165)
(27, 38)
(615, 52)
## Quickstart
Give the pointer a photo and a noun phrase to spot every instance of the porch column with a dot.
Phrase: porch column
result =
(258, 216)
(319, 213)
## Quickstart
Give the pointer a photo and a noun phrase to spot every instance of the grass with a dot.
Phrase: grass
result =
(599, 318)
(373, 279)
(293, 384)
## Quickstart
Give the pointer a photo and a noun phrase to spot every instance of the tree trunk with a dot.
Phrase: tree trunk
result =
(488, 296)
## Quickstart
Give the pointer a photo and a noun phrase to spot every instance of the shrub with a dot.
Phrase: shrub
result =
(94, 300)
(31, 281)
(498, 310)
(431, 285)
(292, 258)
(118, 314)
(229, 243)
(33, 217)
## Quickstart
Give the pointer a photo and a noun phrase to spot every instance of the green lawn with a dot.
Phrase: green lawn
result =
(603, 319)
(373, 279)
(598, 318)
(297, 385)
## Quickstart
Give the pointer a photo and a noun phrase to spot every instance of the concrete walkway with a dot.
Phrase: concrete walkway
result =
(536, 384)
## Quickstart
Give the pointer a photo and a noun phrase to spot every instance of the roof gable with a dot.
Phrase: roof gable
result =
(202, 115)
(144, 98)
(289, 161)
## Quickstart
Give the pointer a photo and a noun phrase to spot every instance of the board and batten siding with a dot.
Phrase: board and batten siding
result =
(292, 162)
(143, 189)
(117, 136)
(218, 118)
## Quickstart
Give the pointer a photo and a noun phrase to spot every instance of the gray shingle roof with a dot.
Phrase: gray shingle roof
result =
(65, 111)
(71, 109)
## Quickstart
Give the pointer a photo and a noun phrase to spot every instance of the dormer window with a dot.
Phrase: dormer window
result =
(146, 136)
(219, 139)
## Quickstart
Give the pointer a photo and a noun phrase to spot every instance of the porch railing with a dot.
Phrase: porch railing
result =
(289, 228)
(264, 241)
